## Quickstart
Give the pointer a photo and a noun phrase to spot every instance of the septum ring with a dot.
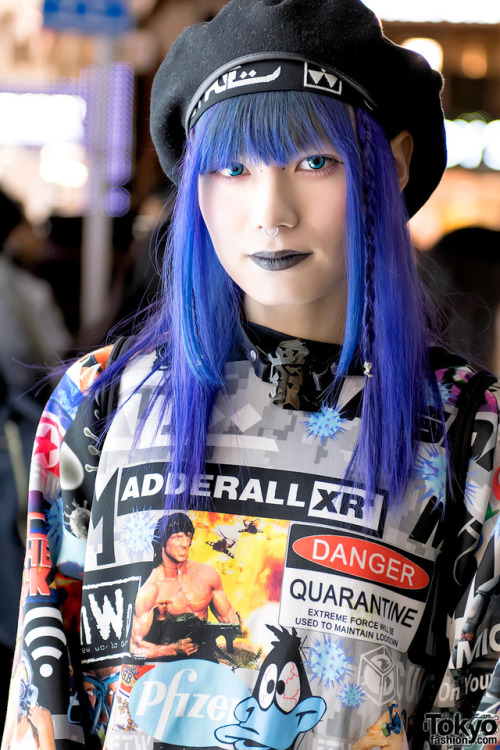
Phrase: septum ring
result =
(274, 231)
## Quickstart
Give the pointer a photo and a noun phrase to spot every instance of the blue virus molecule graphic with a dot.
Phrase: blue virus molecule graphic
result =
(471, 489)
(326, 423)
(431, 471)
(352, 695)
(444, 392)
(328, 662)
(137, 533)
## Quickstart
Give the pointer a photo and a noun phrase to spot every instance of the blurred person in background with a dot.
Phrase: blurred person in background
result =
(139, 247)
(462, 272)
(32, 335)
(58, 262)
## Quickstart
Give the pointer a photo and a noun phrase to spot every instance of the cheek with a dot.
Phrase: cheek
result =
(326, 209)
(224, 226)
(207, 200)
(330, 208)
(212, 195)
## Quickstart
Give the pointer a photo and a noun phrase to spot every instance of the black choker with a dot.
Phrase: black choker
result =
(299, 379)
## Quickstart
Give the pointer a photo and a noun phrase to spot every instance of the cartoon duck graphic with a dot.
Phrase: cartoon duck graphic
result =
(282, 705)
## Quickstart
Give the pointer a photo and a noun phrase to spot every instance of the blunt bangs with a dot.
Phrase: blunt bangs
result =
(274, 128)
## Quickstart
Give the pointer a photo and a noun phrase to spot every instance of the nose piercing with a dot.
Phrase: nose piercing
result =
(274, 231)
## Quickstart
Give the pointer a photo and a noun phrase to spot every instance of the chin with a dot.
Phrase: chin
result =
(279, 297)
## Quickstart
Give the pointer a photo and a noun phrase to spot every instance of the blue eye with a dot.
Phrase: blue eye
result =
(234, 170)
(316, 162)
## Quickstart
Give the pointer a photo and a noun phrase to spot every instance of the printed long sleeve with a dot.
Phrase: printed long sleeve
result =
(44, 707)
(470, 689)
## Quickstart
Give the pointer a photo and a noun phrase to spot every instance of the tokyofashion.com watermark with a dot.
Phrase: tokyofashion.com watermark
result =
(449, 729)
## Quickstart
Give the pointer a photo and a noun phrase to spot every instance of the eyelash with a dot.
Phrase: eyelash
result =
(332, 163)
(232, 176)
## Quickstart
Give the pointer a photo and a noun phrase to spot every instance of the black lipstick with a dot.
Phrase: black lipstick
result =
(279, 260)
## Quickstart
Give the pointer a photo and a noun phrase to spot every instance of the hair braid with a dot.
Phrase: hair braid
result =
(368, 453)
(369, 187)
(393, 335)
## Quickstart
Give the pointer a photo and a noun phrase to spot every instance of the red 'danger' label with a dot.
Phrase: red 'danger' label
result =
(363, 559)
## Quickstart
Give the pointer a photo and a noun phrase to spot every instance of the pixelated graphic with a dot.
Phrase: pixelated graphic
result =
(352, 695)
(328, 662)
(431, 471)
(137, 532)
(326, 423)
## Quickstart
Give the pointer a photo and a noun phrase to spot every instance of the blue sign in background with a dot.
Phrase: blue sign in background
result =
(88, 16)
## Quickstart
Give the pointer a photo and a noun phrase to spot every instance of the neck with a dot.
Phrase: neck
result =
(321, 320)
(171, 566)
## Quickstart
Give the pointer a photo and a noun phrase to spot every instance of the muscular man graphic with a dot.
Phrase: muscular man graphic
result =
(171, 607)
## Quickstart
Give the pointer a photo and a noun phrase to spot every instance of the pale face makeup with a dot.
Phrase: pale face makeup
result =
(295, 281)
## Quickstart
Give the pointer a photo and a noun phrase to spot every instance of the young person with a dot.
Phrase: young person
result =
(286, 417)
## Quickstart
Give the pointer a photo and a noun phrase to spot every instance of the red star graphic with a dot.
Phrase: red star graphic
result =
(45, 447)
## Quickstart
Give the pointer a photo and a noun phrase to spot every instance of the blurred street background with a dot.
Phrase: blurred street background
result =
(83, 200)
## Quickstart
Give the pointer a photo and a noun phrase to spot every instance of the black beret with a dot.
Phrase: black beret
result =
(334, 47)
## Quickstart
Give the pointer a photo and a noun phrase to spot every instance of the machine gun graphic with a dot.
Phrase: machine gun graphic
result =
(202, 632)
(205, 633)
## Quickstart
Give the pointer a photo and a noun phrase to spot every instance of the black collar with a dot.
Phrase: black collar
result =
(300, 370)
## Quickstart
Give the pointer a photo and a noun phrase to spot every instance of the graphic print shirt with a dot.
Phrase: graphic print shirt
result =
(290, 613)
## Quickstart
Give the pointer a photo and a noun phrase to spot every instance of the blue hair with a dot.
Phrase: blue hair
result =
(385, 317)
(394, 336)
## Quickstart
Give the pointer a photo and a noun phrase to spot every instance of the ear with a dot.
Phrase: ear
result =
(402, 149)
